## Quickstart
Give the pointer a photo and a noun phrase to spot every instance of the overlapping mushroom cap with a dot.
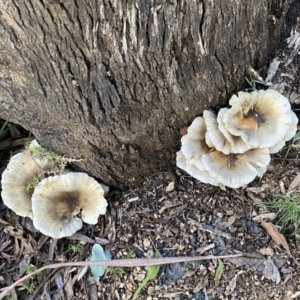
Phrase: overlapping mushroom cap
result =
(236, 170)
(191, 169)
(233, 147)
(58, 200)
(261, 118)
(189, 158)
(21, 171)
(219, 137)
(237, 143)
(193, 144)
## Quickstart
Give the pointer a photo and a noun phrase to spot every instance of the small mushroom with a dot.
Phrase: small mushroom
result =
(261, 118)
(58, 200)
(236, 170)
(21, 172)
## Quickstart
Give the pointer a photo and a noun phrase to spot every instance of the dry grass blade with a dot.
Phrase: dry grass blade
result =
(278, 238)
(130, 263)
(219, 272)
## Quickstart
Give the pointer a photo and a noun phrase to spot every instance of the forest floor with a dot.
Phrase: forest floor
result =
(180, 217)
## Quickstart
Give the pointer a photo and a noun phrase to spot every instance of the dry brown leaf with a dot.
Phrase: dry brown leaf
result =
(277, 237)
(258, 190)
(262, 217)
(171, 295)
(81, 237)
(232, 284)
(23, 265)
(294, 183)
(201, 285)
(271, 271)
(59, 280)
(254, 262)
(91, 288)
(232, 219)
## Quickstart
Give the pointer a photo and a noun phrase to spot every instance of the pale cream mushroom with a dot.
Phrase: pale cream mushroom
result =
(261, 118)
(236, 170)
(192, 170)
(290, 134)
(21, 172)
(277, 147)
(237, 144)
(215, 136)
(69, 170)
(208, 141)
(193, 144)
(58, 200)
(292, 128)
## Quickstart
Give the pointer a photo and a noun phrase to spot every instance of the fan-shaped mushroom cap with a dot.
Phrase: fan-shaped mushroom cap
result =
(21, 171)
(292, 128)
(237, 144)
(57, 200)
(277, 147)
(208, 141)
(191, 169)
(290, 134)
(217, 138)
(261, 118)
(236, 170)
(193, 143)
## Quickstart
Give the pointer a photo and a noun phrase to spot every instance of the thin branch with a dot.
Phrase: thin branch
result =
(211, 229)
(129, 263)
(282, 158)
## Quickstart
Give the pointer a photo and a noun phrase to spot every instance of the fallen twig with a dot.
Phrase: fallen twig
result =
(130, 263)
(211, 229)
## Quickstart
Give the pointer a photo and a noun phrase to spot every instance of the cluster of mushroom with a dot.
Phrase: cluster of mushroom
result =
(233, 147)
(56, 201)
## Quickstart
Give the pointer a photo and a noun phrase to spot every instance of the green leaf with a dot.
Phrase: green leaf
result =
(152, 272)
(219, 272)
(99, 254)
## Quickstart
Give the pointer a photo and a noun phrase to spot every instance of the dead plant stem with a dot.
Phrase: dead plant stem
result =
(130, 263)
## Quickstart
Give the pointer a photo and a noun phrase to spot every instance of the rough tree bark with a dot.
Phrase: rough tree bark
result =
(112, 81)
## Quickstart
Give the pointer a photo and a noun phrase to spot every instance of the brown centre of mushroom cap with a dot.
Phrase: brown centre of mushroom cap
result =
(221, 160)
(253, 119)
(232, 160)
(67, 204)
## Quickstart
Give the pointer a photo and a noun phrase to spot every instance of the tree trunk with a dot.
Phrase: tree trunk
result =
(112, 81)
